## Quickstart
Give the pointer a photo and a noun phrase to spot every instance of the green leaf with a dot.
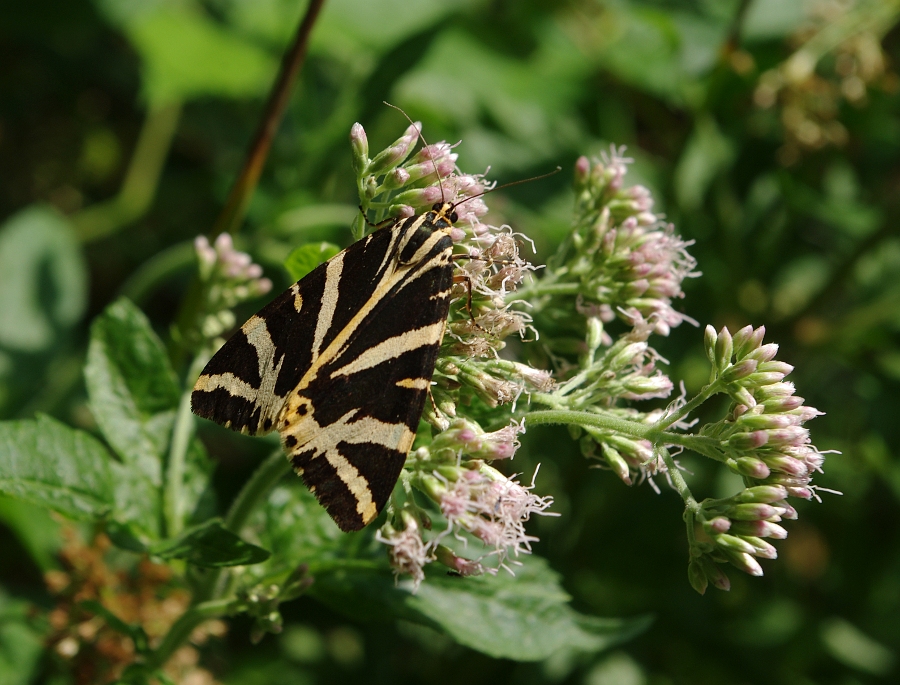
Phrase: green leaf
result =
(525, 618)
(307, 257)
(185, 54)
(43, 279)
(132, 388)
(210, 545)
(49, 464)
(35, 527)
(706, 156)
(21, 645)
(136, 633)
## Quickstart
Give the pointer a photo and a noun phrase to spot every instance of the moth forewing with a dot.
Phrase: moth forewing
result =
(340, 364)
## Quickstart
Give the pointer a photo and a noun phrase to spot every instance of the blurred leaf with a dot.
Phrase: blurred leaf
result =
(48, 463)
(488, 83)
(345, 26)
(135, 632)
(210, 545)
(849, 645)
(769, 19)
(21, 646)
(305, 258)
(43, 279)
(707, 154)
(186, 54)
(35, 528)
(525, 618)
(132, 388)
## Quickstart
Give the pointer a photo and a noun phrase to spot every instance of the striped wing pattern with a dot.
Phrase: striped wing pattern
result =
(340, 364)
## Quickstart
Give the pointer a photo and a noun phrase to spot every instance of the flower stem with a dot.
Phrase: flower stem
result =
(584, 418)
(182, 433)
(182, 628)
(539, 288)
(256, 490)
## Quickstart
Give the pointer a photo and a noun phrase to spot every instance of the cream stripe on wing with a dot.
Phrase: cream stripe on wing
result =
(329, 302)
(355, 483)
(234, 385)
(258, 335)
(393, 347)
(413, 383)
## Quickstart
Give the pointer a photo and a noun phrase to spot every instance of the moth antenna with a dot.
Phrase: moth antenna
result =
(424, 144)
(511, 183)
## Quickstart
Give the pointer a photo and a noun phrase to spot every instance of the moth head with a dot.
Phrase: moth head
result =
(446, 210)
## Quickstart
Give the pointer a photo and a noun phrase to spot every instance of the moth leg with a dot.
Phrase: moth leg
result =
(468, 281)
(380, 224)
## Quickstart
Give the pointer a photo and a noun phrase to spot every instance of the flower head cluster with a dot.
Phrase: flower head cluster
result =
(764, 440)
(229, 277)
(476, 501)
(625, 260)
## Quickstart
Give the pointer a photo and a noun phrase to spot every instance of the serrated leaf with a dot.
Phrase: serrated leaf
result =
(307, 257)
(210, 545)
(132, 388)
(47, 463)
(43, 279)
(525, 618)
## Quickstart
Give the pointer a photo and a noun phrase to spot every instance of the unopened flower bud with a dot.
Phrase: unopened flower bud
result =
(733, 543)
(763, 494)
(717, 525)
(710, 337)
(724, 349)
(750, 467)
(745, 563)
(742, 369)
(359, 145)
(762, 529)
(752, 512)
(744, 442)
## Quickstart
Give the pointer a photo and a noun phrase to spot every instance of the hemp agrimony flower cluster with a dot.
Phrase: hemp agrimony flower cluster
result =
(474, 499)
(590, 317)
(608, 289)
(227, 278)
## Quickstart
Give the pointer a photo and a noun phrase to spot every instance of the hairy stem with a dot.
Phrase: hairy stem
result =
(183, 431)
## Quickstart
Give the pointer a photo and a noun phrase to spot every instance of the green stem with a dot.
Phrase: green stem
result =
(251, 496)
(256, 490)
(182, 433)
(160, 267)
(539, 288)
(182, 628)
(602, 421)
(141, 178)
(688, 407)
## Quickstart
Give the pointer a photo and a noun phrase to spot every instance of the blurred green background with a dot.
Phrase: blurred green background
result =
(768, 132)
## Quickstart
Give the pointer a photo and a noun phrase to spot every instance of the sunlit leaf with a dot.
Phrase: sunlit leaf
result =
(47, 463)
